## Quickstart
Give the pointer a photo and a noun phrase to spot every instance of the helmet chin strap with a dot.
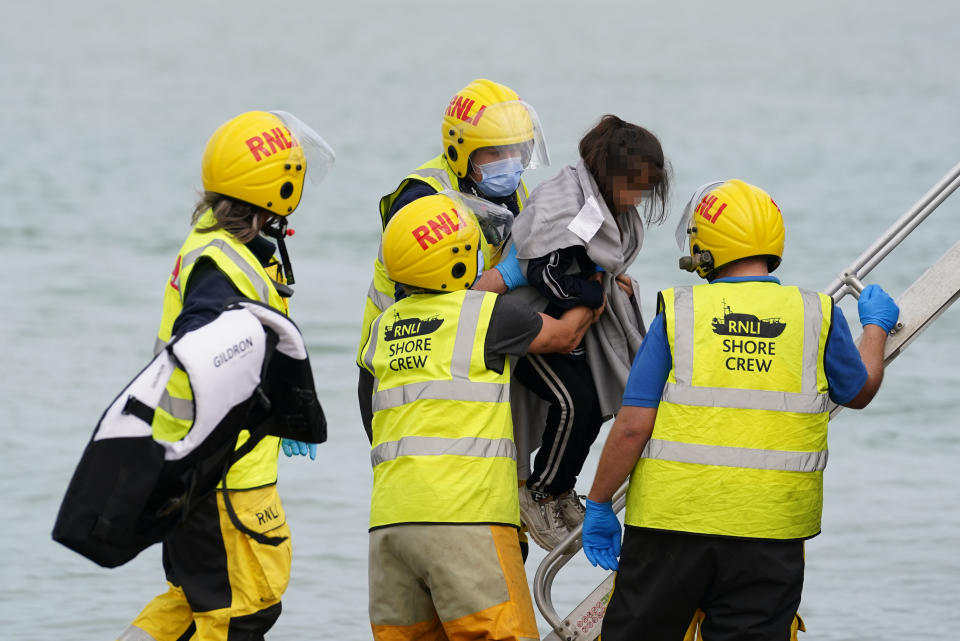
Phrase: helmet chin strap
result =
(276, 228)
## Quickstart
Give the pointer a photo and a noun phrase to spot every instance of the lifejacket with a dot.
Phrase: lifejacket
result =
(248, 368)
(254, 281)
(739, 444)
(440, 176)
(443, 449)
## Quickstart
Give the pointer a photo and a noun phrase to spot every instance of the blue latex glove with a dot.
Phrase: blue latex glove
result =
(601, 535)
(298, 448)
(509, 268)
(877, 308)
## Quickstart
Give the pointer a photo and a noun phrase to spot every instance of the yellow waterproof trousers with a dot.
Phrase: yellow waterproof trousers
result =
(222, 585)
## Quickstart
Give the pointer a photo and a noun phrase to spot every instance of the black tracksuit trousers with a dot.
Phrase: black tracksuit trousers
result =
(573, 420)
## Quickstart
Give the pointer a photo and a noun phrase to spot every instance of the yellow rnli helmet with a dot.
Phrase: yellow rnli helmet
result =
(488, 114)
(433, 243)
(261, 157)
(727, 221)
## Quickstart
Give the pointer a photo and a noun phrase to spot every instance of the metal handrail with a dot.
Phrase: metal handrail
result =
(848, 282)
(845, 283)
(556, 559)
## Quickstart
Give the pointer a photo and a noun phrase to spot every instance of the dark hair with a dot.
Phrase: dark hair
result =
(241, 219)
(616, 148)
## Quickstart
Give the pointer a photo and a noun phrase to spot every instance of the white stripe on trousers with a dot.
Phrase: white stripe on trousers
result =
(565, 428)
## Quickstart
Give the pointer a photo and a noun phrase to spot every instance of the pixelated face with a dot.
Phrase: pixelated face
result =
(629, 191)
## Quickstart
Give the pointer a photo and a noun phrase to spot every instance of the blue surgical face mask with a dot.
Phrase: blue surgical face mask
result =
(501, 177)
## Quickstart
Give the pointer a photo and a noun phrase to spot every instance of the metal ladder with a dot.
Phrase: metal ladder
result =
(920, 304)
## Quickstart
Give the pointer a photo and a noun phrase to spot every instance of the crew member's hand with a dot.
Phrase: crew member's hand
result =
(625, 283)
(509, 268)
(598, 312)
(877, 308)
(601, 535)
(298, 448)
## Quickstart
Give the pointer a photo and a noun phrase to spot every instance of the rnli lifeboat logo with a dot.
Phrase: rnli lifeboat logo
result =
(410, 343)
(753, 347)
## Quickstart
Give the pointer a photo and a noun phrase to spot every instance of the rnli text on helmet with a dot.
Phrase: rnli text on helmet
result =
(442, 225)
(277, 141)
(460, 108)
(704, 208)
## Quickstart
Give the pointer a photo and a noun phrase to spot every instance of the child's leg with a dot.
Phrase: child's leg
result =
(573, 420)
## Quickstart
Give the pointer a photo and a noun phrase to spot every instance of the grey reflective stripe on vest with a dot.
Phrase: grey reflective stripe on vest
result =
(262, 286)
(176, 407)
(735, 456)
(460, 388)
(158, 346)
(372, 344)
(683, 335)
(440, 391)
(811, 342)
(433, 446)
(808, 401)
(381, 300)
(440, 175)
(466, 331)
(745, 399)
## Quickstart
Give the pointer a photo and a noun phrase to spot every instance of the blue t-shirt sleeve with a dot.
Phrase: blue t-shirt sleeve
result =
(650, 368)
(846, 373)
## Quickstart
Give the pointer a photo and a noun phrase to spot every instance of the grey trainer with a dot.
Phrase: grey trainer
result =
(541, 514)
(571, 509)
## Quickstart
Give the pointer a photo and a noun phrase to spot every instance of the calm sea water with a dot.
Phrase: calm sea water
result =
(845, 112)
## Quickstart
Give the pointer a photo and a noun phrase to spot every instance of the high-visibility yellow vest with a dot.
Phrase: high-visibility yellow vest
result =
(740, 440)
(438, 174)
(174, 416)
(443, 449)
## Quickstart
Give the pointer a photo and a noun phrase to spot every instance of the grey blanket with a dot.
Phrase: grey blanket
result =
(565, 211)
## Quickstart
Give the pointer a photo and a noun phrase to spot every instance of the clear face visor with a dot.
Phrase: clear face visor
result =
(682, 232)
(511, 128)
(317, 154)
(495, 222)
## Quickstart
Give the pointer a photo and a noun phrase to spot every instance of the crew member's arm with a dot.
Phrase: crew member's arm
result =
(207, 291)
(562, 335)
(516, 330)
(872, 343)
(634, 423)
(365, 399)
(630, 433)
(854, 375)
(491, 280)
(505, 275)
